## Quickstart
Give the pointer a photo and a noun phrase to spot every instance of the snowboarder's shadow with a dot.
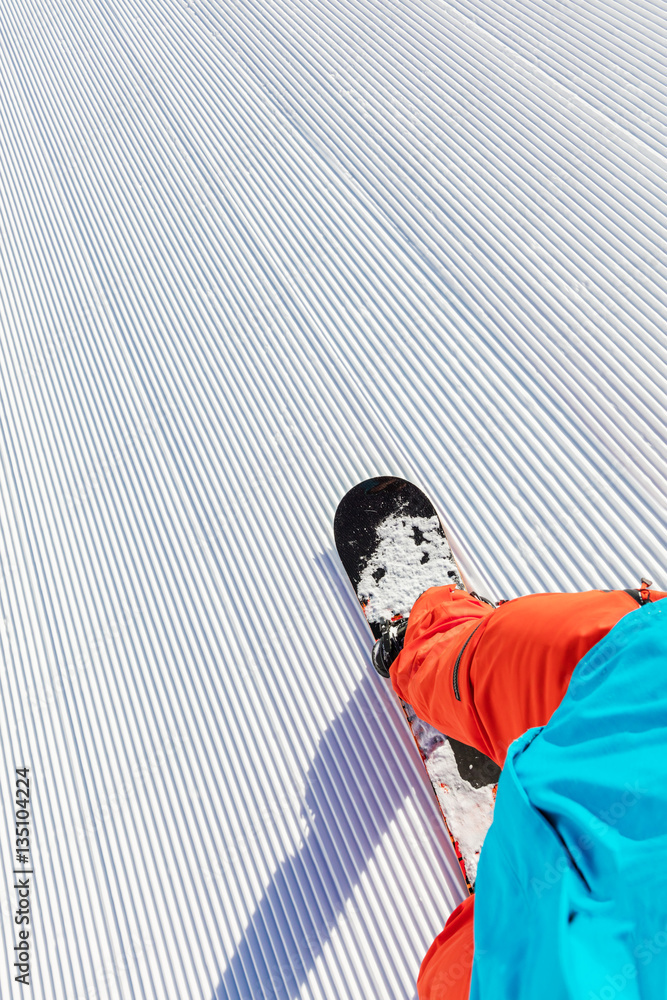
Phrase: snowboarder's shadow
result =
(356, 784)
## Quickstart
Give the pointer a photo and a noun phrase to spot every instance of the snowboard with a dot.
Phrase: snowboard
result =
(393, 547)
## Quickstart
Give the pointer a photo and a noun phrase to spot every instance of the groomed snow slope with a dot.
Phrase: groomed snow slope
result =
(251, 254)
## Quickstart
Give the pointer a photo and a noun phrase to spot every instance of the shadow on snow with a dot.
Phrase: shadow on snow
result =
(347, 815)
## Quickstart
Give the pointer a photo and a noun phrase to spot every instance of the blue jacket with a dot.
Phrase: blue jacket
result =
(571, 900)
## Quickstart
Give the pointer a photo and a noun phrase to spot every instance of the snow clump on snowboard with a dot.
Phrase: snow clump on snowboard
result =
(411, 556)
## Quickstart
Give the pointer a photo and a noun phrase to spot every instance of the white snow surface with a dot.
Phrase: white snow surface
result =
(251, 254)
(395, 576)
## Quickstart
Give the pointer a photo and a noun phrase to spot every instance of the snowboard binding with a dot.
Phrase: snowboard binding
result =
(388, 646)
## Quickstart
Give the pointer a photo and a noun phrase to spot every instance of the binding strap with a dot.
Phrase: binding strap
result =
(642, 597)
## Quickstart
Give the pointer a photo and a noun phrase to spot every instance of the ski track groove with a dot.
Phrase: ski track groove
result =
(250, 256)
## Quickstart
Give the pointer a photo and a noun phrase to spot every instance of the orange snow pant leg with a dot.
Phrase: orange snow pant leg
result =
(484, 676)
(447, 967)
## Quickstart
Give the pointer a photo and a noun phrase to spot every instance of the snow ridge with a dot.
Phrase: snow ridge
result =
(251, 255)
